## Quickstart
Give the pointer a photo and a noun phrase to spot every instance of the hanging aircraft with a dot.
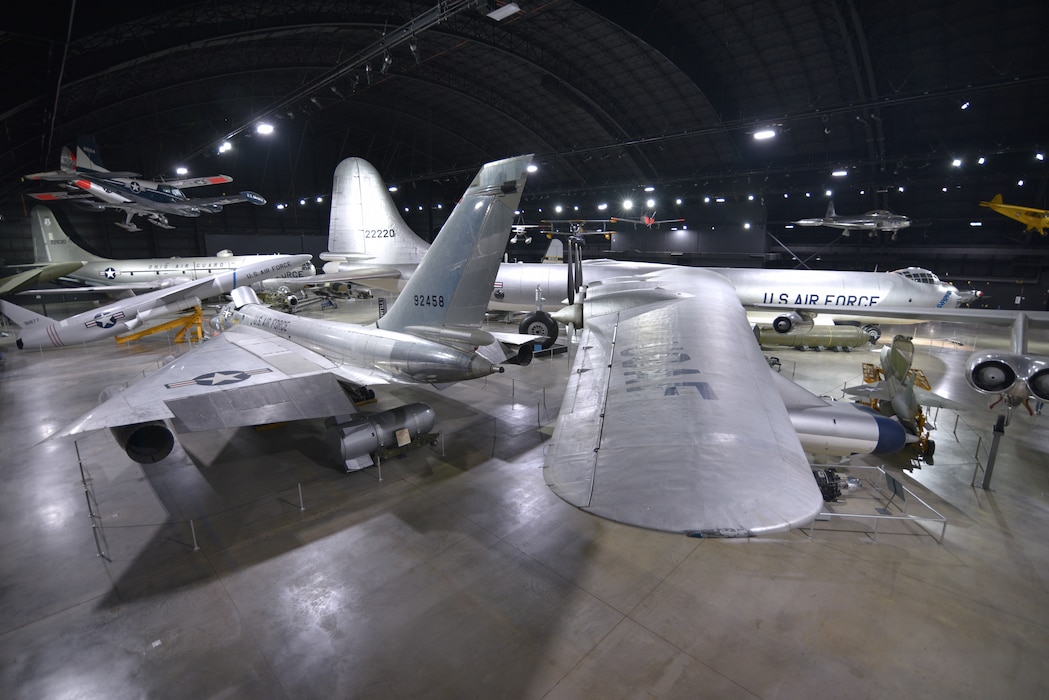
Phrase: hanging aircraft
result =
(877, 220)
(269, 366)
(90, 186)
(647, 220)
(1033, 219)
(39, 331)
(368, 234)
(114, 277)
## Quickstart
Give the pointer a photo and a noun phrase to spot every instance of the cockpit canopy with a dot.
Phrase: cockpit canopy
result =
(918, 274)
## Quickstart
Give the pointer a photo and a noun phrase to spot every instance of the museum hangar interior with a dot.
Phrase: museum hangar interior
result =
(245, 565)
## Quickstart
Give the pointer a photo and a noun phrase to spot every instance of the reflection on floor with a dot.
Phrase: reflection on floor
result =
(246, 565)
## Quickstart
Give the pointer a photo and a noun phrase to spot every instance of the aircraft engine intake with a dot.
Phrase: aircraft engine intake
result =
(999, 373)
(355, 440)
(146, 443)
(792, 321)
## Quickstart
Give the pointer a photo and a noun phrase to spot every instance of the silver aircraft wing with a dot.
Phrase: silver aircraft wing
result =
(670, 420)
(242, 377)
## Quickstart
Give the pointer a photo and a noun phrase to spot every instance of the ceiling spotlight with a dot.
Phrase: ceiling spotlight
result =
(559, 209)
(602, 206)
(957, 162)
(1039, 156)
(650, 188)
(628, 204)
(900, 188)
(840, 173)
(392, 188)
(976, 224)
(719, 200)
(965, 105)
(764, 134)
(750, 198)
(264, 128)
(1020, 183)
(532, 167)
(650, 203)
(981, 160)
(226, 146)
(747, 226)
(501, 13)
(181, 170)
(828, 193)
(706, 200)
(678, 201)
(319, 200)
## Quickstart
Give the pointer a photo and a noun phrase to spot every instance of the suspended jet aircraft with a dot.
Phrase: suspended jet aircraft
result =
(270, 366)
(1033, 219)
(128, 314)
(368, 235)
(877, 220)
(92, 187)
(118, 277)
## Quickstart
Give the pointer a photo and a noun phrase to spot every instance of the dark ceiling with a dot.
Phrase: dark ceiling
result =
(609, 96)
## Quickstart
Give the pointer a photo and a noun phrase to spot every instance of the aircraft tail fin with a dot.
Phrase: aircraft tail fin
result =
(21, 317)
(830, 210)
(365, 223)
(66, 161)
(50, 242)
(454, 282)
(87, 155)
(896, 359)
(997, 199)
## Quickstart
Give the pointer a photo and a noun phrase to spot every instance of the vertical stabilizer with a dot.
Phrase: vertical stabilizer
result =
(21, 317)
(87, 155)
(50, 242)
(830, 210)
(365, 224)
(452, 285)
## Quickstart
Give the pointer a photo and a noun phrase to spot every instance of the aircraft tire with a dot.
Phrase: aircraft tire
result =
(873, 332)
(540, 323)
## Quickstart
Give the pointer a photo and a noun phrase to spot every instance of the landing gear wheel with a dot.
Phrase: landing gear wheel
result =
(540, 323)
(873, 332)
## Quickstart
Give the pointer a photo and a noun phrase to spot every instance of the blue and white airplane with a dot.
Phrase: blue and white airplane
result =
(90, 186)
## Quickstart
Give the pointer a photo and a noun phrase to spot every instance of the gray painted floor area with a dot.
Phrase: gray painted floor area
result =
(459, 574)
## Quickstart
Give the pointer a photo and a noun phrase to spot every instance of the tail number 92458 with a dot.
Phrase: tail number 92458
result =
(429, 300)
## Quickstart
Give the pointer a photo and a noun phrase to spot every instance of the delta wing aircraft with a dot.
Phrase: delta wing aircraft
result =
(672, 419)
(117, 277)
(1033, 219)
(39, 331)
(270, 366)
(90, 186)
(877, 220)
(367, 232)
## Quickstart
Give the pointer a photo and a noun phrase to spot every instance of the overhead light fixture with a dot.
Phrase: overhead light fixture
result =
(628, 204)
(559, 209)
(981, 160)
(840, 173)
(828, 193)
(650, 188)
(1020, 183)
(678, 201)
(900, 188)
(965, 105)
(957, 162)
(764, 134)
(181, 170)
(976, 224)
(501, 13)
(747, 225)
(602, 206)
(719, 200)
(786, 195)
(706, 200)
(392, 188)
(319, 200)
(263, 128)
(650, 203)
(532, 167)
(225, 146)
(1039, 156)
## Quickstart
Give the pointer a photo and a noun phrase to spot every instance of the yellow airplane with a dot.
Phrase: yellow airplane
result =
(1035, 219)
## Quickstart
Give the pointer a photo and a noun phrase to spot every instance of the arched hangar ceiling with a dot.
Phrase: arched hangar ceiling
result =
(610, 96)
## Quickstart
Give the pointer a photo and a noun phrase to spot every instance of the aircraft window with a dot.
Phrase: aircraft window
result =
(919, 275)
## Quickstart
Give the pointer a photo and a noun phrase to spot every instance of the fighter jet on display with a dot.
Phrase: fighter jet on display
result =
(117, 277)
(1033, 219)
(877, 220)
(269, 366)
(128, 314)
(896, 389)
(92, 187)
(368, 234)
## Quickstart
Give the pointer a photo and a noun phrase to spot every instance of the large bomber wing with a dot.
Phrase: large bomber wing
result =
(242, 377)
(670, 421)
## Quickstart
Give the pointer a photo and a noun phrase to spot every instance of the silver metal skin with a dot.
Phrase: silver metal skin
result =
(367, 232)
(90, 186)
(127, 314)
(51, 244)
(270, 366)
(877, 220)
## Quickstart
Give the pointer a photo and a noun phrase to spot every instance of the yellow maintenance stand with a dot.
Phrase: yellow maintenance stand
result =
(193, 324)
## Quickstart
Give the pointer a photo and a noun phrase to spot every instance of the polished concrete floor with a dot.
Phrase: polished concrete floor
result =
(456, 573)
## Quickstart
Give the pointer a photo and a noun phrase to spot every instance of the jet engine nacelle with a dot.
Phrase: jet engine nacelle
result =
(145, 443)
(355, 441)
(1005, 373)
(792, 321)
